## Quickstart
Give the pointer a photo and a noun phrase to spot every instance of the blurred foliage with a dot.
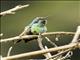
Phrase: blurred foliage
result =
(63, 16)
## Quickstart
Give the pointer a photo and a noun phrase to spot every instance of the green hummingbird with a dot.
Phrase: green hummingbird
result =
(38, 25)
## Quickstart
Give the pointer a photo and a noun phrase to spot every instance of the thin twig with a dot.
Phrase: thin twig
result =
(12, 11)
(50, 42)
(76, 36)
(9, 51)
(74, 45)
(58, 54)
(33, 36)
(69, 54)
(41, 46)
(40, 42)
(48, 54)
(54, 46)
(75, 39)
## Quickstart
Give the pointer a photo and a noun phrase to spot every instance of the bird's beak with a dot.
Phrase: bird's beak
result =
(45, 18)
(45, 21)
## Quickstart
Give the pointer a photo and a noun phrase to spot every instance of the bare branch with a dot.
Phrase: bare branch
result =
(40, 44)
(12, 11)
(76, 36)
(34, 36)
(74, 45)
(50, 42)
(69, 54)
(9, 51)
(60, 53)
(47, 55)
(75, 39)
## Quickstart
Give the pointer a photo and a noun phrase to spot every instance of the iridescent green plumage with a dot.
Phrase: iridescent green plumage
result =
(38, 25)
(38, 28)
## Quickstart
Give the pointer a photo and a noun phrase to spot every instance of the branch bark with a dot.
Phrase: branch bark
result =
(12, 11)
(34, 36)
(34, 53)
(76, 36)
(47, 55)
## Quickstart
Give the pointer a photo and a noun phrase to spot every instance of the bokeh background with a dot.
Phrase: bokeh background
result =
(62, 16)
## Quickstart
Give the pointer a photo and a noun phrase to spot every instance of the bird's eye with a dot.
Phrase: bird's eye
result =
(44, 21)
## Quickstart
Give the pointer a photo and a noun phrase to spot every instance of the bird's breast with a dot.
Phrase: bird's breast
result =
(38, 29)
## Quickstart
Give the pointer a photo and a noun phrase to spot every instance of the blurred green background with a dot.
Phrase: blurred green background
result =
(63, 16)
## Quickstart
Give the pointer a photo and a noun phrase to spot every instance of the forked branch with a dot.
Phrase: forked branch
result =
(34, 53)
(12, 11)
(33, 36)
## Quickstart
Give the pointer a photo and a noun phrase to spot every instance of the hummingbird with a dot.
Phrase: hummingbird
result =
(38, 25)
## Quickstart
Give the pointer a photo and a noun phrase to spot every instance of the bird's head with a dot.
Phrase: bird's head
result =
(42, 22)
